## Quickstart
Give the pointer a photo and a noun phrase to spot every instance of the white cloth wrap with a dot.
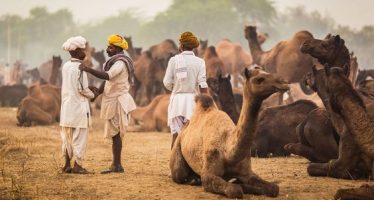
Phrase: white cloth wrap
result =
(73, 43)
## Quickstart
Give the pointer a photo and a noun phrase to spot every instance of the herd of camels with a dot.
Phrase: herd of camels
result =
(316, 83)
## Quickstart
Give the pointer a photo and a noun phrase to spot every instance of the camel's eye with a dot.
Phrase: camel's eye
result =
(259, 80)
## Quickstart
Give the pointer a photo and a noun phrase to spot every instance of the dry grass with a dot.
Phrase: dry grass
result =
(30, 162)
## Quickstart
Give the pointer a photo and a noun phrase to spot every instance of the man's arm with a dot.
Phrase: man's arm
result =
(83, 86)
(169, 76)
(201, 79)
(96, 73)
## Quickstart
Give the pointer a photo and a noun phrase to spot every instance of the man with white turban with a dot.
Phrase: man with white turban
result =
(75, 117)
(185, 76)
(117, 103)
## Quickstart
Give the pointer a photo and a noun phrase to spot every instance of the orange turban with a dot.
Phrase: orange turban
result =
(118, 41)
(189, 40)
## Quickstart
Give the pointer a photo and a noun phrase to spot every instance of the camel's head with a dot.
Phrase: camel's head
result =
(337, 84)
(99, 56)
(261, 84)
(220, 85)
(250, 32)
(262, 37)
(329, 50)
(57, 61)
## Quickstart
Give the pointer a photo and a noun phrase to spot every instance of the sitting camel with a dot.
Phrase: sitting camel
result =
(347, 103)
(41, 106)
(214, 148)
(351, 161)
(152, 117)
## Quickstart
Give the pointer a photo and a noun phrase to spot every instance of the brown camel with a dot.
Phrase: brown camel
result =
(141, 80)
(164, 49)
(200, 50)
(152, 117)
(234, 57)
(285, 58)
(364, 74)
(221, 86)
(41, 106)
(11, 95)
(350, 162)
(131, 49)
(212, 147)
(275, 130)
(347, 103)
(365, 192)
(45, 70)
(213, 64)
(318, 140)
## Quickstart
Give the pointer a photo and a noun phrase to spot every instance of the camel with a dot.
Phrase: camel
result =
(221, 86)
(284, 59)
(131, 49)
(213, 64)
(152, 117)
(40, 107)
(45, 70)
(212, 147)
(234, 57)
(11, 95)
(347, 103)
(364, 74)
(365, 192)
(274, 130)
(353, 68)
(200, 50)
(318, 140)
(164, 49)
(350, 162)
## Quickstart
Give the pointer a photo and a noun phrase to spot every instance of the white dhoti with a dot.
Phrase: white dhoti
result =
(117, 124)
(180, 110)
(74, 142)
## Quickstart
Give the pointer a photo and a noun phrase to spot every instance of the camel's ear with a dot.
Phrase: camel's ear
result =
(229, 77)
(247, 73)
(337, 39)
(346, 70)
(328, 36)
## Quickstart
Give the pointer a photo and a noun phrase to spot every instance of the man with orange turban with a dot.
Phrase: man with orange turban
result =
(117, 103)
(185, 76)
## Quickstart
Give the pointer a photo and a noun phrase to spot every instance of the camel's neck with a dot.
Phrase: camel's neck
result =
(227, 101)
(53, 77)
(256, 50)
(358, 122)
(241, 139)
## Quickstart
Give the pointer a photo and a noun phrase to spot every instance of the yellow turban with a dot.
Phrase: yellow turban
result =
(118, 41)
(189, 40)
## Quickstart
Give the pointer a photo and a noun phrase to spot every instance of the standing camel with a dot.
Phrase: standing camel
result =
(212, 147)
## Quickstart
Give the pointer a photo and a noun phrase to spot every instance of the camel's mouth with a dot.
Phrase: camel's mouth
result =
(305, 48)
(282, 87)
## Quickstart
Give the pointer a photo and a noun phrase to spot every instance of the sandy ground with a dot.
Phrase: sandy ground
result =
(30, 162)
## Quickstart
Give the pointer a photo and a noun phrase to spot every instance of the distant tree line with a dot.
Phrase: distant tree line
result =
(36, 38)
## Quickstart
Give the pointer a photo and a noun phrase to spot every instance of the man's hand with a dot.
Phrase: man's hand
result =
(95, 91)
(84, 68)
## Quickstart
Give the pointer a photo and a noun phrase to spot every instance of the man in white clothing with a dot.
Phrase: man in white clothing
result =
(185, 76)
(75, 115)
(117, 103)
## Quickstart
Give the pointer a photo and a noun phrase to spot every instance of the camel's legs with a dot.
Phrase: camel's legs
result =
(36, 114)
(365, 192)
(304, 151)
(211, 177)
(180, 171)
(340, 168)
(255, 185)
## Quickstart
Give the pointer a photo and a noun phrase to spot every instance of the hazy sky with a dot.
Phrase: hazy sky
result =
(346, 12)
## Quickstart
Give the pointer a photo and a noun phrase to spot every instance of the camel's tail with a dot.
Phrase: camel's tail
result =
(205, 101)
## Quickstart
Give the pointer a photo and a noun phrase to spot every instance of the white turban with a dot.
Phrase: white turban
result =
(74, 42)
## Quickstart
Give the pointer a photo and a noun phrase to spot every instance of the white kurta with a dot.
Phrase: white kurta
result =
(184, 74)
(116, 103)
(75, 108)
(75, 115)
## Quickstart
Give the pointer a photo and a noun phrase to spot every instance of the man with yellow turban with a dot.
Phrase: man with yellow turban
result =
(117, 103)
(185, 76)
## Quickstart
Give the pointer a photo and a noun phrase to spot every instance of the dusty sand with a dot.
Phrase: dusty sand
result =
(30, 162)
